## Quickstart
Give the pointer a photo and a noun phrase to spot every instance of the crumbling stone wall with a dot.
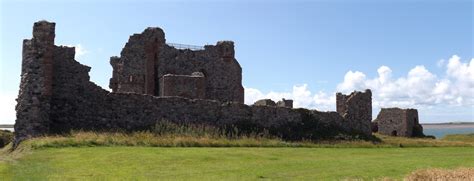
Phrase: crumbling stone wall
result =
(56, 96)
(268, 102)
(398, 122)
(265, 102)
(193, 86)
(285, 103)
(146, 58)
(356, 108)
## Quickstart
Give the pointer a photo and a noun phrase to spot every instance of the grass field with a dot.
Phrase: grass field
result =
(88, 156)
(469, 138)
(232, 163)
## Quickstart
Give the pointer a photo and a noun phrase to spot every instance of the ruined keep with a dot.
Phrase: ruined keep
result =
(153, 81)
(398, 122)
(147, 65)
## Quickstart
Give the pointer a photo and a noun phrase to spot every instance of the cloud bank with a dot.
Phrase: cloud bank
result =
(418, 88)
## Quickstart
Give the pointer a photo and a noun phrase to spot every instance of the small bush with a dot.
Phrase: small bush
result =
(5, 138)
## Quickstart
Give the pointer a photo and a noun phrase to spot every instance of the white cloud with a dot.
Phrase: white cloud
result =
(419, 87)
(301, 95)
(80, 50)
(352, 80)
(385, 73)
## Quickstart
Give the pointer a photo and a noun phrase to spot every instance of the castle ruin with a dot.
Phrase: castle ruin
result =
(356, 106)
(154, 81)
(148, 65)
(398, 122)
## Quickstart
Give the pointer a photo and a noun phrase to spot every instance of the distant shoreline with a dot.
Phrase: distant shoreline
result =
(448, 125)
(6, 125)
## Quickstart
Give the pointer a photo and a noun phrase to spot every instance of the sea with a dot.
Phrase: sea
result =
(441, 130)
(9, 129)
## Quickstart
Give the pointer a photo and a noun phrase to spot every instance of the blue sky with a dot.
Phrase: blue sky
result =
(411, 53)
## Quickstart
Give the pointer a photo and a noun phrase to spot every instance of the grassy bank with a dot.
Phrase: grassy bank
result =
(469, 138)
(146, 155)
(231, 163)
(148, 139)
(5, 137)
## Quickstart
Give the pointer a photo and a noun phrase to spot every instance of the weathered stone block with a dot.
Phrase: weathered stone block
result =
(189, 86)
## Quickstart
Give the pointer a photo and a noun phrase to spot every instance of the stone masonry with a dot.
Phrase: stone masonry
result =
(153, 82)
(268, 102)
(398, 122)
(357, 109)
(285, 103)
(190, 86)
(264, 102)
(146, 58)
(34, 98)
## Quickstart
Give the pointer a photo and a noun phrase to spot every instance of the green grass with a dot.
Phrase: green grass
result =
(460, 137)
(147, 139)
(231, 163)
(148, 156)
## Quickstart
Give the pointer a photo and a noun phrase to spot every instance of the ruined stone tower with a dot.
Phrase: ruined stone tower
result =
(399, 122)
(148, 65)
(357, 109)
(34, 97)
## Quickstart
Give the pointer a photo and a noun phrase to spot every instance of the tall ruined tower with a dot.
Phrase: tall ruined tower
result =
(135, 70)
(356, 109)
(34, 99)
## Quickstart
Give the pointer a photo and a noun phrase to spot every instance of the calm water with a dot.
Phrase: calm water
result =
(10, 129)
(441, 130)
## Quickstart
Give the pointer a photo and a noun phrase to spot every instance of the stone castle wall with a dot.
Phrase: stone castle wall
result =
(64, 99)
(146, 58)
(189, 86)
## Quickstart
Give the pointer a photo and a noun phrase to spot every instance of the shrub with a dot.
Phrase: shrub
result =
(5, 138)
